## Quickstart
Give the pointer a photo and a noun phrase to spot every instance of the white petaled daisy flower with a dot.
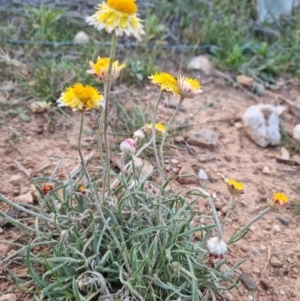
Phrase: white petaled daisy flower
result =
(128, 147)
(119, 16)
(188, 87)
(216, 248)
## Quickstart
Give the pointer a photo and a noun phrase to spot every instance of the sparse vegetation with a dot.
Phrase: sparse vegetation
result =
(125, 235)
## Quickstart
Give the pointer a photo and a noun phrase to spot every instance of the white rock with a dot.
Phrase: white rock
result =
(285, 153)
(262, 124)
(202, 175)
(296, 132)
(8, 297)
(1, 230)
(81, 37)
(202, 63)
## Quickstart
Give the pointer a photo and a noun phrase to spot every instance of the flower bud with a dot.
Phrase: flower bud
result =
(46, 187)
(128, 147)
(278, 200)
(138, 163)
(139, 134)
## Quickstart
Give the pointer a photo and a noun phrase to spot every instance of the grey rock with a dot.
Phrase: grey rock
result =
(189, 175)
(201, 63)
(204, 138)
(275, 262)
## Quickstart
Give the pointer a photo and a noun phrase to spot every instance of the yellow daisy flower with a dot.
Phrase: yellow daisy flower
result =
(160, 129)
(234, 186)
(81, 98)
(119, 16)
(165, 81)
(278, 199)
(188, 87)
(100, 68)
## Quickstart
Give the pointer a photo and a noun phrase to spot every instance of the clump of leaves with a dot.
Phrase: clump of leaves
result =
(51, 77)
(84, 248)
(20, 112)
(42, 21)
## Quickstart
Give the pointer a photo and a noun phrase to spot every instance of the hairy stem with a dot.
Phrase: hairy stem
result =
(82, 159)
(161, 152)
(229, 209)
(240, 234)
(154, 134)
(216, 218)
(107, 86)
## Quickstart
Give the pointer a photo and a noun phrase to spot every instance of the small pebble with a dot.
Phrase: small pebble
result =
(174, 161)
(247, 282)
(202, 175)
(276, 228)
(275, 262)
(1, 230)
(263, 248)
(266, 170)
(228, 158)
(15, 179)
(265, 283)
(254, 250)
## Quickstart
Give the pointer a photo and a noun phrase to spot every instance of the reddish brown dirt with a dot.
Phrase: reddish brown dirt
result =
(236, 156)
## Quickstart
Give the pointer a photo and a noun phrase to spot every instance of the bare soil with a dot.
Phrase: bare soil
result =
(272, 245)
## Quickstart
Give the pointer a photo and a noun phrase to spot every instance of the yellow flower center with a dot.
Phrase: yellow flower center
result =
(280, 198)
(234, 186)
(85, 94)
(100, 64)
(125, 6)
(194, 83)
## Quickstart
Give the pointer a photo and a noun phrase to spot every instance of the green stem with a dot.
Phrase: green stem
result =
(107, 86)
(99, 133)
(82, 159)
(154, 133)
(165, 134)
(85, 169)
(237, 236)
(123, 156)
(228, 209)
(216, 218)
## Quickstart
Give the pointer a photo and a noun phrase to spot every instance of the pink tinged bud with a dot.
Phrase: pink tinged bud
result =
(216, 249)
(138, 163)
(128, 147)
